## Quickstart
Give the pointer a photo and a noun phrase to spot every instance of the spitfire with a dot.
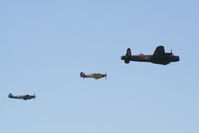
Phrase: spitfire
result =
(24, 97)
(93, 75)
(158, 57)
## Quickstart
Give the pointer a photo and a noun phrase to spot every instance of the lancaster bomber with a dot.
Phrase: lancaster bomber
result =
(24, 97)
(158, 57)
(93, 75)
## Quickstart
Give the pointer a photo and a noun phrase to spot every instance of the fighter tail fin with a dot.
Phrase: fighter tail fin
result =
(10, 95)
(82, 75)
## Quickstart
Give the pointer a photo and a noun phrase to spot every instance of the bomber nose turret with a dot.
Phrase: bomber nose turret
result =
(176, 58)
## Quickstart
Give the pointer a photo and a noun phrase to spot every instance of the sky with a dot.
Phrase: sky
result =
(45, 44)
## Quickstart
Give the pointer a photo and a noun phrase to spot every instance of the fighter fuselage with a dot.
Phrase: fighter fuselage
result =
(24, 97)
(93, 75)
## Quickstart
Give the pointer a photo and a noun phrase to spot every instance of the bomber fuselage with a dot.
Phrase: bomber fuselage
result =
(164, 59)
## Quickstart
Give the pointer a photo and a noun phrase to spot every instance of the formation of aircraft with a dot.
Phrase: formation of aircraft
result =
(24, 97)
(93, 75)
(158, 57)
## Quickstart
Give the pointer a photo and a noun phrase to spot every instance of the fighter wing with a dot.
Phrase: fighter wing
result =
(159, 51)
(25, 97)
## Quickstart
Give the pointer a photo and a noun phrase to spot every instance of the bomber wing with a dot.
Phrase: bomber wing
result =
(159, 51)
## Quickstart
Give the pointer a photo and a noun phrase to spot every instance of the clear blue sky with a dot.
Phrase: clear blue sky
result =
(45, 44)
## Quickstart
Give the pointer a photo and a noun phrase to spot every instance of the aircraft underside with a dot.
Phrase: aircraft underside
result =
(163, 61)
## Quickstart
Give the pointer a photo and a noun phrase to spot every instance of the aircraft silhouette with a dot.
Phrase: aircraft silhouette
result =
(158, 57)
(93, 75)
(24, 97)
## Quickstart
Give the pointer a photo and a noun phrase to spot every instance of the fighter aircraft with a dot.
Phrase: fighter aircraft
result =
(158, 57)
(24, 97)
(93, 75)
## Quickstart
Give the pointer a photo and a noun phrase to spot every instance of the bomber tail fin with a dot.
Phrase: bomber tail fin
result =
(128, 52)
(127, 56)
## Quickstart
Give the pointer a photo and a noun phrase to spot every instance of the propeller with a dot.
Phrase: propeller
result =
(105, 76)
(34, 96)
